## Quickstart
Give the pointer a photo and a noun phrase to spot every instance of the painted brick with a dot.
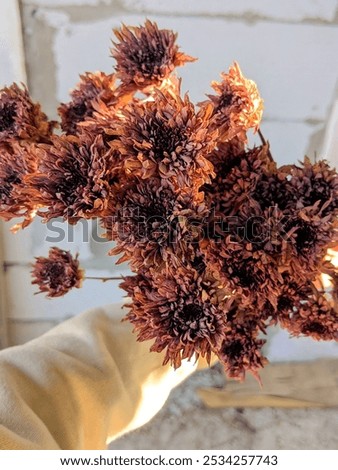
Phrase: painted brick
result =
(281, 347)
(12, 60)
(289, 142)
(296, 10)
(62, 3)
(296, 84)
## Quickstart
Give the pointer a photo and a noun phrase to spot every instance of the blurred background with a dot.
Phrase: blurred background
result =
(290, 49)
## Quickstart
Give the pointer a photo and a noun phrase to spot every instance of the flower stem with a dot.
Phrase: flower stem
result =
(264, 142)
(103, 279)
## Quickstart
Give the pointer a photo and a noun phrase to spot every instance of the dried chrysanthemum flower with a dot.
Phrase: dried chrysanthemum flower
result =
(93, 92)
(314, 184)
(178, 312)
(57, 274)
(237, 176)
(245, 269)
(314, 317)
(241, 352)
(152, 224)
(294, 292)
(16, 162)
(166, 137)
(75, 178)
(237, 105)
(308, 237)
(146, 55)
(21, 118)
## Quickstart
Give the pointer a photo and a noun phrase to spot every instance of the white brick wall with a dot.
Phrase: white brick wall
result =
(289, 48)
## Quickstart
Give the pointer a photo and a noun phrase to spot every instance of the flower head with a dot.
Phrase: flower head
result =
(178, 312)
(237, 105)
(165, 137)
(245, 268)
(314, 317)
(314, 184)
(146, 55)
(241, 352)
(75, 178)
(308, 236)
(95, 90)
(152, 224)
(16, 162)
(237, 176)
(57, 274)
(21, 118)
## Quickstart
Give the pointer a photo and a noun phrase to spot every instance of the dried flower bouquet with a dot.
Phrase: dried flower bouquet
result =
(223, 243)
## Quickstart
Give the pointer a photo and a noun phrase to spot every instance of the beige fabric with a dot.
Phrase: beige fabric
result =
(82, 384)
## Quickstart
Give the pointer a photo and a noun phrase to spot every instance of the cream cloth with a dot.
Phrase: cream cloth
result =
(82, 384)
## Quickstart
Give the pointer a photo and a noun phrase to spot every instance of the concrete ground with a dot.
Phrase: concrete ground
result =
(185, 423)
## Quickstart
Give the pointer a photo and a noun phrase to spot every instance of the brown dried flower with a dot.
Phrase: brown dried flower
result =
(75, 178)
(16, 162)
(314, 317)
(314, 184)
(94, 91)
(166, 137)
(57, 274)
(178, 312)
(152, 224)
(245, 269)
(240, 352)
(237, 176)
(223, 242)
(237, 105)
(21, 118)
(146, 55)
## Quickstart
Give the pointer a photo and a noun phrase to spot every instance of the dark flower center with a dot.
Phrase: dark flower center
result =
(147, 57)
(191, 313)
(54, 274)
(245, 275)
(225, 100)
(7, 185)
(7, 117)
(198, 264)
(79, 111)
(150, 221)
(314, 327)
(191, 320)
(306, 237)
(233, 350)
(165, 140)
(285, 304)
